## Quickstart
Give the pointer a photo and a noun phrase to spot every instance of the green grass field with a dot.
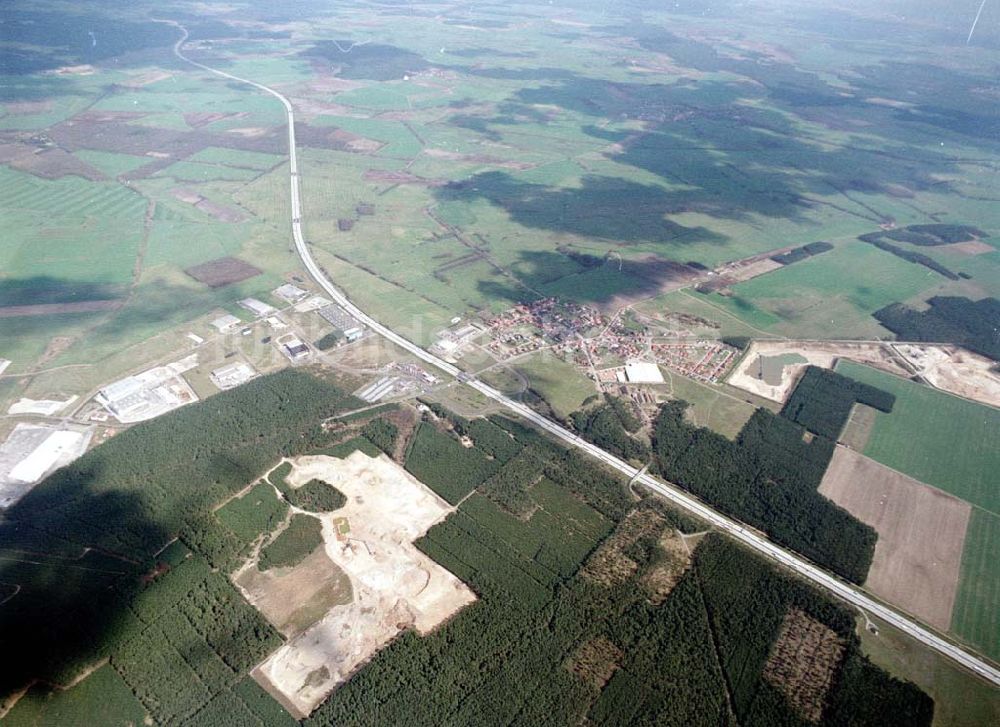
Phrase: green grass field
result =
(831, 295)
(945, 441)
(201, 172)
(715, 407)
(976, 614)
(112, 163)
(236, 158)
(562, 385)
(960, 698)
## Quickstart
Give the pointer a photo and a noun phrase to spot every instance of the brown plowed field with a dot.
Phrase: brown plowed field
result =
(222, 271)
(921, 532)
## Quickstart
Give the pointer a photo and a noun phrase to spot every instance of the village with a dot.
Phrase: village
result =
(616, 349)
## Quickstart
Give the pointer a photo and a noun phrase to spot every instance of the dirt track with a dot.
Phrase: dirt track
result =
(921, 533)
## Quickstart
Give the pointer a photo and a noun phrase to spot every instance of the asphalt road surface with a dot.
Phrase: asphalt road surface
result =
(737, 530)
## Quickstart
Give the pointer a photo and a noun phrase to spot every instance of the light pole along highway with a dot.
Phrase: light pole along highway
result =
(735, 529)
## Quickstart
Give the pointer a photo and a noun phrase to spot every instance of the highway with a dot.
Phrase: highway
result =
(744, 534)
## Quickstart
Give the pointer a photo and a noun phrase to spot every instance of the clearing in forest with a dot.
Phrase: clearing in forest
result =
(803, 662)
(395, 586)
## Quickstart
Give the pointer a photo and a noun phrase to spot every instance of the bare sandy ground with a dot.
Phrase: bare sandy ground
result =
(816, 353)
(395, 585)
(921, 533)
(955, 370)
(296, 597)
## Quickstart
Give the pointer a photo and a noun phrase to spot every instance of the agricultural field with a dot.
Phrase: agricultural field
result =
(959, 697)
(831, 295)
(443, 176)
(487, 167)
(975, 617)
(921, 534)
(936, 438)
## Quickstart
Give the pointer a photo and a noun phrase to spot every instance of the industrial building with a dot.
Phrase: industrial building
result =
(642, 372)
(378, 389)
(231, 375)
(150, 393)
(290, 293)
(31, 451)
(340, 319)
(314, 303)
(226, 323)
(258, 307)
(293, 347)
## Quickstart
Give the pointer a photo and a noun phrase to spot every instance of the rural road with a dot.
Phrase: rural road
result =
(737, 530)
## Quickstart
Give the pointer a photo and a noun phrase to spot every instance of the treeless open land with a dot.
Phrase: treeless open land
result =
(395, 585)
(921, 532)
(954, 370)
(296, 597)
(816, 353)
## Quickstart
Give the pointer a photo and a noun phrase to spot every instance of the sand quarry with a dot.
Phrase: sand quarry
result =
(948, 368)
(816, 353)
(921, 533)
(395, 586)
(953, 369)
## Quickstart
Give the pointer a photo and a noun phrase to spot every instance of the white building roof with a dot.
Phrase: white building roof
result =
(225, 322)
(290, 292)
(122, 389)
(643, 372)
(237, 368)
(257, 307)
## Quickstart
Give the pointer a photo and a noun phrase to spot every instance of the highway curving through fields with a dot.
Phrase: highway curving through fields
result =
(741, 532)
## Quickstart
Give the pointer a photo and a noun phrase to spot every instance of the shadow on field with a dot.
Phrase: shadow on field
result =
(62, 604)
(602, 207)
(723, 156)
(368, 62)
(106, 324)
(49, 290)
(604, 281)
(39, 40)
